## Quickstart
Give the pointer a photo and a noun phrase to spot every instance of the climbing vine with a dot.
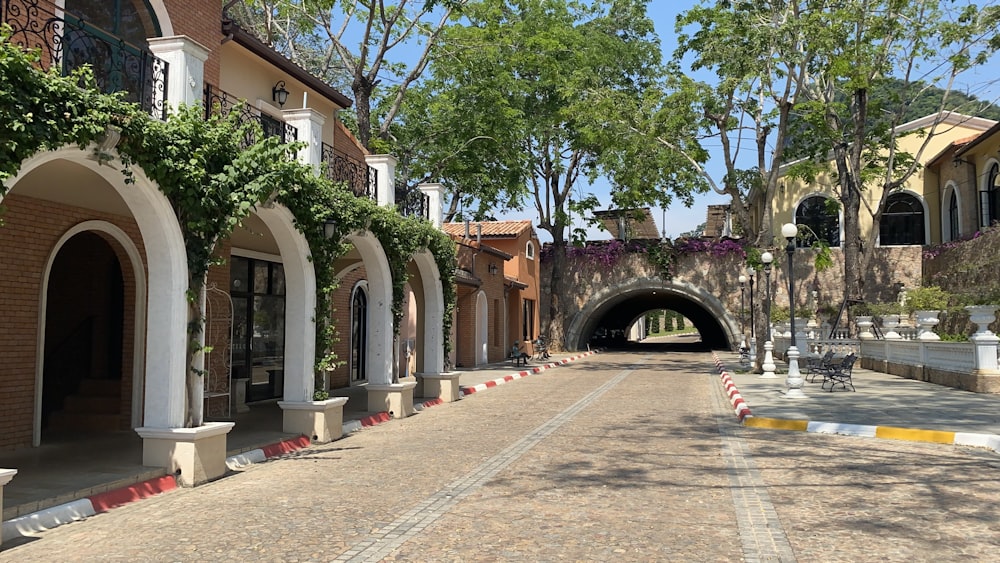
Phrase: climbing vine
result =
(212, 181)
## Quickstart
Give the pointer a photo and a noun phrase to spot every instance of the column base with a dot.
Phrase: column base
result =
(240, 395)
(193, 455)
(5, 476)
(443, 386)
(394, 398)
(322, 421)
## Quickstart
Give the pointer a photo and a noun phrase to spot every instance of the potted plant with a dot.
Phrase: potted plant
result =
(889, 314)
(926, 303)
(863, 315)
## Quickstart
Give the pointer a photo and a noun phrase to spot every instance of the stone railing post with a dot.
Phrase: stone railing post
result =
(186, 75)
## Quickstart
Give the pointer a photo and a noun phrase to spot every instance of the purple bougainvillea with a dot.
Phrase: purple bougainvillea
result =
(606, 253)
(932, 252)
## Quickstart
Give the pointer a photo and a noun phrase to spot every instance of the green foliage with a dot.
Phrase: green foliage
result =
(46, 111)
(886, 308)
(521, 107)
(930, 298)
(212, 182)
(780, 314)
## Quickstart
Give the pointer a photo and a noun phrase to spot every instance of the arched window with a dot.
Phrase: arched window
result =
(989, 197)
(111, 36)
(529, 250)
(953, 227)
(902, 222)
(821, 216)
(359, 334)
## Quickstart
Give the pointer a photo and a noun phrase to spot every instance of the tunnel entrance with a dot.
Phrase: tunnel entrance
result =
(610, 313)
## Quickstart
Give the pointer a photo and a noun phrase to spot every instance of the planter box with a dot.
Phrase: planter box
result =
(443, 386)
(321, 421)
(193, 455)
(394, 398)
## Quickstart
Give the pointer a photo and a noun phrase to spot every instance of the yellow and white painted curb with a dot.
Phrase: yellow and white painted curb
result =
(988, 441)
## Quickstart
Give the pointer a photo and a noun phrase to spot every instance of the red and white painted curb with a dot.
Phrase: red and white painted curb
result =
(49, 518)
(740, 405)
(524, 373)
(52, 517)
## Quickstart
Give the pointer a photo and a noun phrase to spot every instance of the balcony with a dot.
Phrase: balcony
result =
(67, 42)
(359, 177)
(223, 102)
(411, 203)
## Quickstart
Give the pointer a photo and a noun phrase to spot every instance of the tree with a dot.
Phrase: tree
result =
(861, 48)
(451, 132)
(353, 39)
(756, 52)
(547, 73)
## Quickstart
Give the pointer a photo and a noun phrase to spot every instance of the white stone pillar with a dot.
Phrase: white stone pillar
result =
(186, 75)
(309, 123)
(435, 202)
(5, 476)
(385, 165)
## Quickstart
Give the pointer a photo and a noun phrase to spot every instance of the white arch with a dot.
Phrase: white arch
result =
(926, 211)
(433, 306)
(984, 186)
(950, 188)
(482, 329)
(379, 306)
(840, 213)
(300, 303)
(162, 17)
(166, 311)
(139, 328)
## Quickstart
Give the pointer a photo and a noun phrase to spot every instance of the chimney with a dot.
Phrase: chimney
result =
(479, 233)
(467, 229)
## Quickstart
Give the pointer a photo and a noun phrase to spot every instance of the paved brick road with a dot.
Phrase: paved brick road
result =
(617, 457)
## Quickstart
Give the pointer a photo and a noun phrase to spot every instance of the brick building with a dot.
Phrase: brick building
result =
(498, 290)
(93, 272)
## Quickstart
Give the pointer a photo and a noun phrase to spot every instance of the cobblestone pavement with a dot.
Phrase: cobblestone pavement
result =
(622, 457)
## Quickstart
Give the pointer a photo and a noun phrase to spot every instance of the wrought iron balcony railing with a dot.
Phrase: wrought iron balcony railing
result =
(67, 42)
(359, 177)
(411, 203)
(224, 102)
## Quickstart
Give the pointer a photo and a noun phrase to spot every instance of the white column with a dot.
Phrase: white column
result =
(435, 201)
(309, 123)
(385, 165)
(186, 75)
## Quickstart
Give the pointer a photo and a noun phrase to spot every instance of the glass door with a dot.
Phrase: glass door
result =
(258, 292)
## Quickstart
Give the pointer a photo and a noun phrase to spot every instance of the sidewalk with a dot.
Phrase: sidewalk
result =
(73, 479)
(880, 401)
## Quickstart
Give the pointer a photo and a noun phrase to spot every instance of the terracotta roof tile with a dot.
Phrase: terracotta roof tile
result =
(491, 229)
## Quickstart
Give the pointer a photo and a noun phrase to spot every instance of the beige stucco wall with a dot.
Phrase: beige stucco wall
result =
(923, 183)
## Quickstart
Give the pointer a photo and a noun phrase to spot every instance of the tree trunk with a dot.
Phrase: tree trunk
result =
(362, 108)
(850, 198)
(195, 379)
(555, 332)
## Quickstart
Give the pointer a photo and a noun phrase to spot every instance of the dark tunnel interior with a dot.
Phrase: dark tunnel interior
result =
(616, 315)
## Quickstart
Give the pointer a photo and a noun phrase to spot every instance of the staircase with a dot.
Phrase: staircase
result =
(96, 406)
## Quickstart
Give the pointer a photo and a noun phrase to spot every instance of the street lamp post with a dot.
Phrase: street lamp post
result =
(793, 381)
(743, 332)
(768, 365)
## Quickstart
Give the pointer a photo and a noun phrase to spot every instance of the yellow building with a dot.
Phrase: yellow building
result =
(913, 214)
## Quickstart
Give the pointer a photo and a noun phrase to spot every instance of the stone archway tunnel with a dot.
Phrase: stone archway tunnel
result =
(609, 298)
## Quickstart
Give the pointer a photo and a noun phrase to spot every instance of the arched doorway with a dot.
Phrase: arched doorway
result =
(358, 361)
(482, 329)
(84, 339)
